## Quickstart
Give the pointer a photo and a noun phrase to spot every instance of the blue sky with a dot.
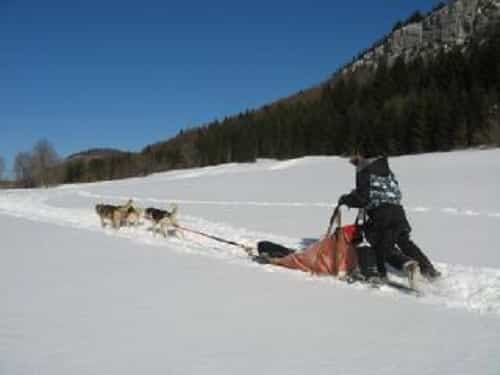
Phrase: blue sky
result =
(119, 73)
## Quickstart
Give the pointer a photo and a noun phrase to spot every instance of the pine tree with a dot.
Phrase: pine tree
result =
(414, 115)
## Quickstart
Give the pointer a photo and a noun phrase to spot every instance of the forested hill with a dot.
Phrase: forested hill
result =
(403, 95)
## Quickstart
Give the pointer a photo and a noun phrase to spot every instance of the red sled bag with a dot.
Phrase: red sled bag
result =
(334, 255)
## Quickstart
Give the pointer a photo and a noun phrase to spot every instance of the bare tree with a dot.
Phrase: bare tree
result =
(23, 169)
(44, 157)
(2, 167)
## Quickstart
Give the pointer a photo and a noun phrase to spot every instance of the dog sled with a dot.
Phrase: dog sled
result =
(342, 253)
(333, 255)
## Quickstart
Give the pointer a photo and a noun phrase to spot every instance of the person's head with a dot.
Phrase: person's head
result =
(360, 159)
(356, 159)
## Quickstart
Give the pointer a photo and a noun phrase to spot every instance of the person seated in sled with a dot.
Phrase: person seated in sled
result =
(377, 191)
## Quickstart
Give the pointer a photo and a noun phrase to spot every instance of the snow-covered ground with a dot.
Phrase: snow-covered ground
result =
(77, 299)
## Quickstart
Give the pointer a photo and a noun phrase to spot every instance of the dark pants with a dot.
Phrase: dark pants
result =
(387, 228)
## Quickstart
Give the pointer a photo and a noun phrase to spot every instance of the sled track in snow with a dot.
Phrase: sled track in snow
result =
(446, 210)
(472, 288)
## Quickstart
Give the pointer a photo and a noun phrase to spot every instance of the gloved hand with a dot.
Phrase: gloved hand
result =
(342, 200)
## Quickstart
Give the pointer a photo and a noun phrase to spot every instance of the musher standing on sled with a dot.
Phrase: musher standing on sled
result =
(377, 191)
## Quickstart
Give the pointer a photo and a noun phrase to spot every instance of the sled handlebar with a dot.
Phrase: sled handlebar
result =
(336, 217)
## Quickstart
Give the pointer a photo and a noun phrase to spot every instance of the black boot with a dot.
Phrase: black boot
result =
(409, 248)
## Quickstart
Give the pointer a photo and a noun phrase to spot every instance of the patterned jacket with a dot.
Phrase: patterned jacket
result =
(375, 185)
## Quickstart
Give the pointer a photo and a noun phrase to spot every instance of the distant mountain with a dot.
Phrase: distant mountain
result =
(95, 153)
(446, 27)
(456, 23)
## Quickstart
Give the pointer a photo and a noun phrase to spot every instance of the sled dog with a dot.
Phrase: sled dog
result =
(133, 216)
(116, 215)
(162, 220)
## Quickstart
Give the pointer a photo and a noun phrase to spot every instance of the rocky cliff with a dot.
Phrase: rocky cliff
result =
(452, 25)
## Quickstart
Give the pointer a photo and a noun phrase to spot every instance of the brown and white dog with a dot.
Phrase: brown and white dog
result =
(162, 220)
(133, 216)
(116, 215)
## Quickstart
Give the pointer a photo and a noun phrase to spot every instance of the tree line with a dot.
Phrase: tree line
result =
(436, 103)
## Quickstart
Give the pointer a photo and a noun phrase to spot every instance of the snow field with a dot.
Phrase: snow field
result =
(82, 300)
